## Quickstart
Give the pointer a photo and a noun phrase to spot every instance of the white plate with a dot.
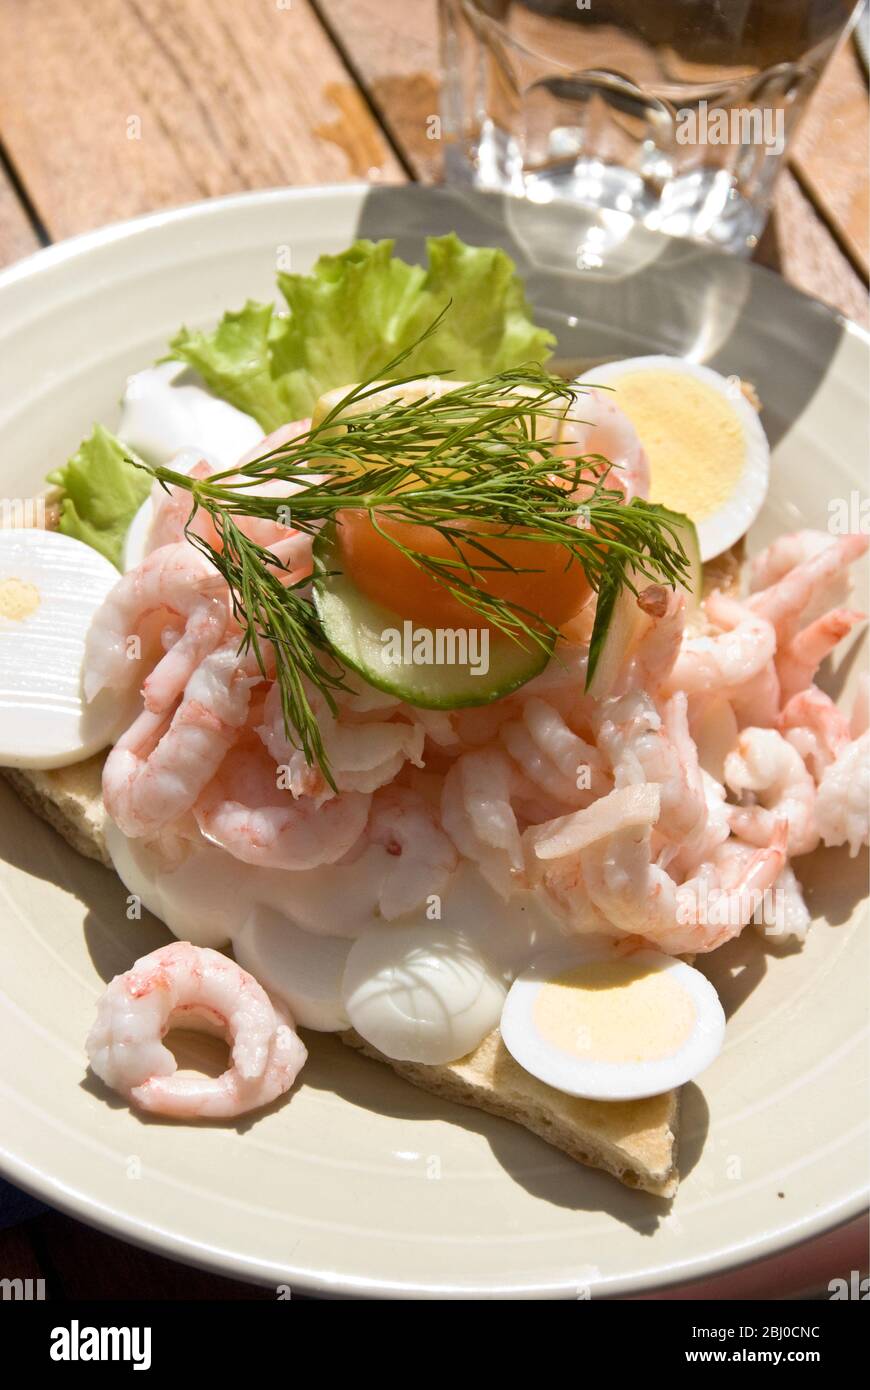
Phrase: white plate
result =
(361, 1184)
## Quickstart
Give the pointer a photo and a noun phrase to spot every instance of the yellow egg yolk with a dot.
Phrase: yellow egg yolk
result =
(18, 599)
(693, 439)
(615, 1011)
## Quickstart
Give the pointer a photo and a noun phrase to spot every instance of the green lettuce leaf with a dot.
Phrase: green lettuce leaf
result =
(355, 312)
(103, 490)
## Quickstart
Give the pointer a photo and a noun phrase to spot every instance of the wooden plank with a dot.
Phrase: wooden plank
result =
(392, 50)
(17, 234)
(114, 107)
(798, 244)
(830, 152)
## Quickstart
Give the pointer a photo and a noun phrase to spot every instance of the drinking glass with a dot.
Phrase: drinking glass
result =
(673, 114)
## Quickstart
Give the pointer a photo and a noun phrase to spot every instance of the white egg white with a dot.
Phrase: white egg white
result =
(303, 970)
(733, 518)
(421, 993)
(595, 1079)
(44, 719)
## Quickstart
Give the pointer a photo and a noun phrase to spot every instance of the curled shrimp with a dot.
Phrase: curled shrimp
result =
(247, 811)
(159, 767)
(555, 759)
(176, 578)
(784, 554)
(477, 813)
(730, 658)
(172, 507)
(815, 727)
(595, 426)
(798, 660)
(660, 645)
(424, 859)
(192, 986)
(643, 745)
(766, 766)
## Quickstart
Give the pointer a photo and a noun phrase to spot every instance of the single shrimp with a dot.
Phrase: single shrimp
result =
(553, 757)
(193, 987)
(643, 745)
(815, 727)
(477, 813)
(159, 767)
(789, 602)
(177, 578)
(247, 810)
(659, 646)
(292, 432)
(843, 798)
(784, 554)
(798, 660)
(172, 508)
(594, 426)
(728, 659)
(362, 756)
(703, 846)
(424, 859)
(765, 765)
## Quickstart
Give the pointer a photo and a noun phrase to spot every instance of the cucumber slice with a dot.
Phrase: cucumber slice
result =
(619, 623)
(355, 628)
(687, 535)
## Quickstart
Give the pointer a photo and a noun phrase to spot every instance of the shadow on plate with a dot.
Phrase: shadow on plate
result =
(543, 1172)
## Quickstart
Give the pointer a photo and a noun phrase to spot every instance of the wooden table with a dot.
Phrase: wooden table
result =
(109, 108)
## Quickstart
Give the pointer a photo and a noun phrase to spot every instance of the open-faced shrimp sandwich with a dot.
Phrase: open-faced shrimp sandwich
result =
(425, 697)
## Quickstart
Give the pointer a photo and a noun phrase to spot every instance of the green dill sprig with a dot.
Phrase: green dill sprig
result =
(479, 452)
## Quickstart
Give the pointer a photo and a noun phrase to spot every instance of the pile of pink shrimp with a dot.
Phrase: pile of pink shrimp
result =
(661, 813)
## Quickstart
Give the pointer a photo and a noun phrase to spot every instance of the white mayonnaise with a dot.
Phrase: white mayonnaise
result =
(161, 414)
(421, 989)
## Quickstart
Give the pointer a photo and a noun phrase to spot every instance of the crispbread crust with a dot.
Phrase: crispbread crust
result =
(635, 1141)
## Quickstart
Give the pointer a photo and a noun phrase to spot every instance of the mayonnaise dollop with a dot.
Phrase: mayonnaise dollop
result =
(418, 988)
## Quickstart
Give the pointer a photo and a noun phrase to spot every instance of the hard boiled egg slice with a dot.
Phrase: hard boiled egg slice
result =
(421, 993)
(50, 588)
(708, 453)
(604, 1026)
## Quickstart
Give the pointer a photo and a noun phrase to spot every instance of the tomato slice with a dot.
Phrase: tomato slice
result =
(545, 579)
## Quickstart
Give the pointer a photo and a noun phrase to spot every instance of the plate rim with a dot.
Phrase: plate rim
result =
(117, 1222)
(57, 253)
(215, 1260)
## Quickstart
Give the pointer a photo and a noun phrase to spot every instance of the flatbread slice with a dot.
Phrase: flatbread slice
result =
(635, 1141)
